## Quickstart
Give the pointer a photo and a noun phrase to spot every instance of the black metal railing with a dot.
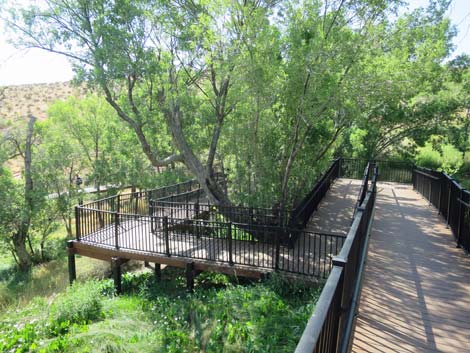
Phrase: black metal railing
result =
(451, 200)
(218, 241)
(303, 211)
(206, 211)
(364, 186)
(392, 171)
(172, 221)
(331, 326)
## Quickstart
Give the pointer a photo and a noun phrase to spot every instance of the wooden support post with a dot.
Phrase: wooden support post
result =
(116, 271)
(190, 274)
(158, 272)
(71, 262)
(146, 264)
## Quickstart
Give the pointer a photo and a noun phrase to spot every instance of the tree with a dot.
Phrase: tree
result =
(267, 87)
(24, 201)
(405, 80)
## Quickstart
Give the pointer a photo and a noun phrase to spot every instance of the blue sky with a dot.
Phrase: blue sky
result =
(36, 66)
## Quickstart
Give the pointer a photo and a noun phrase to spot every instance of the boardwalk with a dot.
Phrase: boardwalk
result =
(416, 290)
(335, 211)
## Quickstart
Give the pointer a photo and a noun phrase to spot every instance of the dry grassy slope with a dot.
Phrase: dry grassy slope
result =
(18, 102)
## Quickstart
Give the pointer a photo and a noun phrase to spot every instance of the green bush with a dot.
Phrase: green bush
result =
(445, 158)
(80, 303)
(428, 157)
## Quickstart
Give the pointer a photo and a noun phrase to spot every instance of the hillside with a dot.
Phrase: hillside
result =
(17, 102)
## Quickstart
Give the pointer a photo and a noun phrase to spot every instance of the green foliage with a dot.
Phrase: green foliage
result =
(223, 315)
(443, 157)
(80, 303)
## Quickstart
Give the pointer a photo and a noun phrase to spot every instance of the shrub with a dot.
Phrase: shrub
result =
(428, 157)
(447, 159)
(80, 303)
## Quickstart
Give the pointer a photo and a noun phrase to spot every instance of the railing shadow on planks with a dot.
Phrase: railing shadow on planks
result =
(331, 326)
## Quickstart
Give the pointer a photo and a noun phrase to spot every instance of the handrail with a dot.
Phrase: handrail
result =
(311, 335)
(450, 199)
(330, 327)
(303, 211)
(427, 174)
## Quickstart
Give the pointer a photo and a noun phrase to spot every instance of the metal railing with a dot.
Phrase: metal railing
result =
(218, 241)
(451, 200)
(303, 211)
(392, 171)
(207, 211)
(171, 221)
(332, 323)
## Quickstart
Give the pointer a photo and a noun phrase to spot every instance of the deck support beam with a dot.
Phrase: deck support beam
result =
(71, 262)
(116, 271)
(158, 272)
(191, 274)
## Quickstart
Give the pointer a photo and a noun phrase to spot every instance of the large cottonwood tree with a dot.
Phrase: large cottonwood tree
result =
(274, 82)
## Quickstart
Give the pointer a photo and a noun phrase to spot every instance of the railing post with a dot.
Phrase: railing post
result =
(440, 196)
(449, 183)
(116, 230)
(278, 248)
(165, 234)
(229, 238)
(196, 209)
(430, 192)
(118, 204)
(77, 223)
(461, 215)
(152, 216)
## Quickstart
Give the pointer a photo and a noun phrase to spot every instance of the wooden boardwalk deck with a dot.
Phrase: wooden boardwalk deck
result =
(335, 211)
(416, 289)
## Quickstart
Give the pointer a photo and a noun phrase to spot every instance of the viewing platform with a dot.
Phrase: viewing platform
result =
(383, 235)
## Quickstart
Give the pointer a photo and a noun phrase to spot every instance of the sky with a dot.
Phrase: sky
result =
(36, 66)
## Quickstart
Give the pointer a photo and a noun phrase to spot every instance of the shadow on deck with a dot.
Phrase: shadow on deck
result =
(416, 291)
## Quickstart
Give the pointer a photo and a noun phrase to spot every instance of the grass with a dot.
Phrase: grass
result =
(222, 315)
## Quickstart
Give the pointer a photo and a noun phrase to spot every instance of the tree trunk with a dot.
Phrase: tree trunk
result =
(21, 236)
(22, 255)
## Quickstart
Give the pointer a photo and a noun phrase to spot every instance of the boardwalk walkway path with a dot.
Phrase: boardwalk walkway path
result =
(416, 289)
(335, 212)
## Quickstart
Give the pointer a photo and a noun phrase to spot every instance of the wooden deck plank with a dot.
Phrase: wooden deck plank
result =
(416, 291)
(335, 212)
